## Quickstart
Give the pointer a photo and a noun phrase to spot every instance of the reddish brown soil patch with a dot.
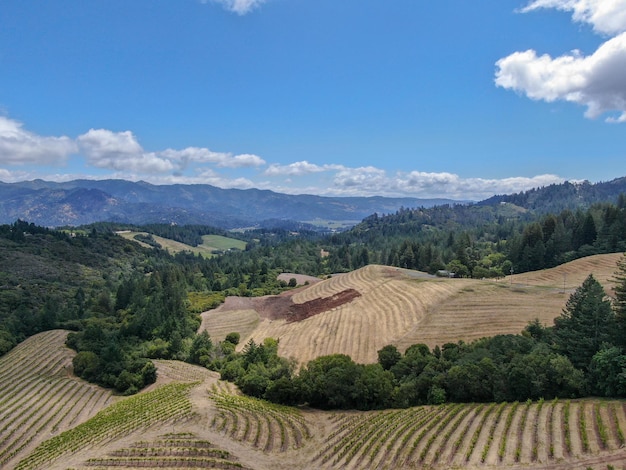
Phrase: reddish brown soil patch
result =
(281, 307)
(299, 312)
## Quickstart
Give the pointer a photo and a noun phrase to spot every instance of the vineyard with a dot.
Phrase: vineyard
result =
(174, 450)
(40, 396)
(165, 404)
(190, 419)
(528, 434)
(263, 425)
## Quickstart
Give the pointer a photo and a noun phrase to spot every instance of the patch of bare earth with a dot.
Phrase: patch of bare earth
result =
(293, 312)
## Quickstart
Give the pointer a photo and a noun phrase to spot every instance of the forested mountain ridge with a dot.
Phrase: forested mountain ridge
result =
(568, 195)
(81, 202)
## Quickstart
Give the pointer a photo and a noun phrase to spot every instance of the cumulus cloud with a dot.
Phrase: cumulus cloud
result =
(373, 181)
(204, 155)
(298, 169)
(19, 146)
(597, 81)
(120, 151)
(606, 16)
(241, 7)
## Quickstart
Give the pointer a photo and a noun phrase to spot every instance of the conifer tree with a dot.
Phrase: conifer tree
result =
(619, 305)
(587, 322)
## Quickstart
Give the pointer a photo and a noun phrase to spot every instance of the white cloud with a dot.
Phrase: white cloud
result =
(361, 179)
(204, 155)
(120, 151)
(371, 181)
(6, 175)
(597, 81)
(241, 7)
(298, 169)
(245, 160)
(19, 146)
(606, 16)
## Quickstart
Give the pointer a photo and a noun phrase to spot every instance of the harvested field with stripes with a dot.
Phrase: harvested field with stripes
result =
(402, 307)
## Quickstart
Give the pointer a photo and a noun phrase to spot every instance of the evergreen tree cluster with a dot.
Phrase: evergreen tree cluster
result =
(479, 241)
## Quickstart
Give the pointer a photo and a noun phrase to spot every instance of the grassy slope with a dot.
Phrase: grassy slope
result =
(210, 243)
(403, 308)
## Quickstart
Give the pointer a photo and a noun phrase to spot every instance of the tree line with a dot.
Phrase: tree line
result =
(582, 354)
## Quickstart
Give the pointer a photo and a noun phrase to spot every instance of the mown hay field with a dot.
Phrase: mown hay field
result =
(401, 307)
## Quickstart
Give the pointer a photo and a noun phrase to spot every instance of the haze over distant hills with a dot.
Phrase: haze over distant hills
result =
(85, 201)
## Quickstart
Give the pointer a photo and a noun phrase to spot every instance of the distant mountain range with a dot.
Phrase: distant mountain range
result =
(81, 202)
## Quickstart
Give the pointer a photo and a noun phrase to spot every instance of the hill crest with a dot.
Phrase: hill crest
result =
(404, 307)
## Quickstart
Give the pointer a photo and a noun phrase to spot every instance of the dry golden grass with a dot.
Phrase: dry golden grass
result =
(219, 322)
(571, 275)
(390, 305)
(403, 308)
(178, 371)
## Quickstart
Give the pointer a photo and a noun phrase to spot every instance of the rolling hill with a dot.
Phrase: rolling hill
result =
(403, 307)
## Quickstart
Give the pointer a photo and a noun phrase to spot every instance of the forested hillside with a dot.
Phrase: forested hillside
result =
(480, 240)
(559, 197)
(127, 304)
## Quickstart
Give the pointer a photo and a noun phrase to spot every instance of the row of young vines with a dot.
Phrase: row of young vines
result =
(39, 396)
(164, 404)
(530, 433)
(175, 450)
(259, 423)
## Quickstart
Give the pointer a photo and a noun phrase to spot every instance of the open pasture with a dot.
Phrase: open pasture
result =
(210, 243)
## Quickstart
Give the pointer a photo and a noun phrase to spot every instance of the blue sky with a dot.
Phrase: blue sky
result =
(451, 98)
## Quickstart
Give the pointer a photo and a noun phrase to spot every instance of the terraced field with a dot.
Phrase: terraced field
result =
(190, 419)
(176, 450)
